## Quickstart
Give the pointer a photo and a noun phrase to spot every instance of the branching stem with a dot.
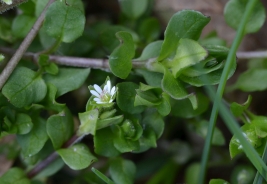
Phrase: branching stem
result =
(23, 47)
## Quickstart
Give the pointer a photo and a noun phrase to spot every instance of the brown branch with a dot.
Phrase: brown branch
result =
(72, 61)
(23, 47)
(251, 55)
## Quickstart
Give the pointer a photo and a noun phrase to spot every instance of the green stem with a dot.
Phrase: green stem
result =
(228, 64)
(258, 179)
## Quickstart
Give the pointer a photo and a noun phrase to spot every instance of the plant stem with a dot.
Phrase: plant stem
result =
(73, 61)
(228, 64)
(23, 47)
(52, 157)
(250, 55)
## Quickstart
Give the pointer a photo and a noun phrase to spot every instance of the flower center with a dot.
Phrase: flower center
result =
(105, 96)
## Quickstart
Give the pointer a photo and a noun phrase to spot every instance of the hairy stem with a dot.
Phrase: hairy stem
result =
(23, 47)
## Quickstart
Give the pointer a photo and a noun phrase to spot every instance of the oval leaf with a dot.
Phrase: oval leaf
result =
(77, 157)
(64, 21)
(24, 87)
(120, 60)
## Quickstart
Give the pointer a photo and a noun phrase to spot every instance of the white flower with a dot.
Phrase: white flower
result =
(104, 96)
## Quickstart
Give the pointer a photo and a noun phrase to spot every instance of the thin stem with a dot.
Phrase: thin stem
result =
(217, 102)
(251, 55)
(23, 47)
(72, 61)
(52, 157)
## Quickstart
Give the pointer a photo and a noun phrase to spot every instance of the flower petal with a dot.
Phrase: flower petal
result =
(94, 93)
(97, 99)
(108, 86)
(98, 89)
(113, 90)
(100, 102)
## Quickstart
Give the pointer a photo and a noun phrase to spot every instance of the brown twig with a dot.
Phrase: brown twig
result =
(23, 47)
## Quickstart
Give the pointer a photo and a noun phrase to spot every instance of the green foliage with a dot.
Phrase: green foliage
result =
(122, 171)
(24, 87)
(133, 8)
(64, 22)
(21, 25)
(77, 157)
(120, 59)
(14, 175)
(235, 9)
(218, 181)
(184, 24)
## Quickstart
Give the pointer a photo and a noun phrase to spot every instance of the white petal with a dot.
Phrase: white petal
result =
(112, 92)
(97, 99)
(98, 89)
(94, 93)
(108, 85)
(100, 102)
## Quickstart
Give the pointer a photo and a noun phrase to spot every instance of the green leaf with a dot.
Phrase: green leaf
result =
(126, 96)
(77, 157)
(183, 108)
(131, 129)
(108, 38)
(21, 25)
(188, 53)
(152, 78)
(103, 142)
(39, 6)
(6, 32)
(260, 123)
(120, 60)
(238, 109)
(122, 171)
(234, 11)
(192, 168)
(122, 142)
(152, 50)
(147, 98)
(252, 80)
(59, 128)
(51, 169)
(176, 89)
(88, 122)
(103, 123)
(23, 123)
(14, 175)
(64, 21)
(24, 87)
(67, 79)
(154, 120)
(183, 24)
(49, 101)
(165, 107)
(133, 9)
(34, 141)
(218, 181)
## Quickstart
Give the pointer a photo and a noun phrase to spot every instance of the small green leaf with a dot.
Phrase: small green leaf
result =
(77, 157)
(126, 96)
(184, 24)
(14, 175)
(151, 50)
(192, 168)
(64, 21)
(150, 30)
(165, 107)
(234, 11)
(252, 80)
(122, 171)
(34, 141)
(103, 142)
(24, 87)
(67, 79)
(131, 129)
(2, 57)
(23, 123)
(175, 88)
(88, 122)
(260, 123)
(154, 120)
(59, 128)
(238, 109)
(188, 53)
(49, 101)
(22, 24)
(51, 169)
(120, 60)
(103, 123)
(152, 78)
(133, 9)
(218, 181)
